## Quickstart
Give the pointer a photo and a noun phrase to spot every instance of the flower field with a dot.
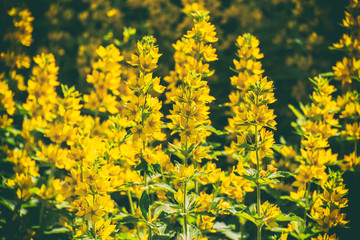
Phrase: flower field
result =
(179, 119)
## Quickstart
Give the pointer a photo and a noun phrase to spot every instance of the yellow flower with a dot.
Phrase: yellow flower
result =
(6, 98)
(205, 222)
(149, 156)
(22, 22)
(179, 196)
(104, 229)
(288, 151)
(342, 71)
(5, 121)
(283, 236)
(23, 182)
(350, 162)
(46, 193)
(303, 176)
(204, 202)
(270, 212)
(313, 143)
(184, 172)
(325, 237)
(148, 56)
(352, 130)
(299, 194)
(93, 212)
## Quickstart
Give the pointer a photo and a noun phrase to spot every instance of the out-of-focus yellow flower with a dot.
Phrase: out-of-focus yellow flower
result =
(270, 212)
(6, 97)
(325, 237)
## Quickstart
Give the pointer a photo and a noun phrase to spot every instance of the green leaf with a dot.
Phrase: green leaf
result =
(148, 87)
(175, 147)
(267, 181)
(168, 208)
(271, 127)
(235, 209)
(209, 214)
(12, 130)
(126, 219)
(327, 74)
(162, 237)
(297, 113)
(290, 199)
(227, 231)
(278, 174)
(250, 178)
(288, 217)
(157, 167)
(128, 134)
(246, 146)
(250, 171)
(214, 130)
(32, 203)
(57, 231)
(7, 203)
(298, 41)
(62, 205)
(297, 128)
(194, 232)
(144, 204)
(143, 165)
(198, 174)
(161, 232)
(145, 115)
(247, 216)
(164, 186)
(10, 141)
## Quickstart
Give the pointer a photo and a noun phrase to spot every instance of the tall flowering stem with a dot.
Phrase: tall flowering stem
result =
(20, 37)
(91, 158)
(252, 118)
(189, 93)
(348, 72)
(144, 113)
(317, 126)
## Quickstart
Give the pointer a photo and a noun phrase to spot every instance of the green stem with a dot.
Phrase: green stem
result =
(185, 193)
(147, 190)
(196, 181)
(242, 229)
(95, 235)
(133, 211)
(307, 191)
(259, 232)
(258, 192)
(355, 149)
(216, 187)
(185, 212)
(131, 202)
(41, 215)
(42, 207)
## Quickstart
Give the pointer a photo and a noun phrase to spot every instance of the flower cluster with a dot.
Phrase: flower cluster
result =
(346, 71)
(106, 80)
(22, 22)
(318, 127)
(326, 208)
